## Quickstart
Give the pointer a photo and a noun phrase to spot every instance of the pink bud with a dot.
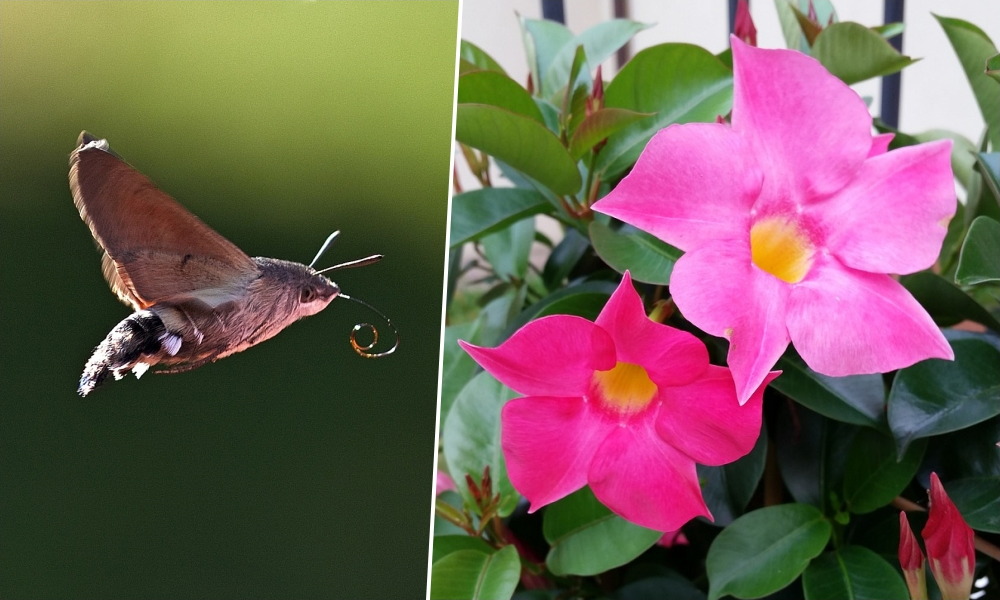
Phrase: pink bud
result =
(948, 539)
(744, 27)
(911, 558)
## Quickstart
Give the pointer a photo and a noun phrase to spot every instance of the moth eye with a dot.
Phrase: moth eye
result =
(307, 295)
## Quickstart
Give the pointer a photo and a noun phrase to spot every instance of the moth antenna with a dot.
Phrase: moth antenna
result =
(361, 262)
(326, 244)
(365, 350)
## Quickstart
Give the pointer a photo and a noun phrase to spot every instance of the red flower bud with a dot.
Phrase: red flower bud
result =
(911, 558)
(744, 27)
(949, 542)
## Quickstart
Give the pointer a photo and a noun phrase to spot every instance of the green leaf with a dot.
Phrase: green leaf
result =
(508, 249)
(852, 572)
(680, 83)
(477, 57)
(993, 67)
(979, 261)
(974, 48)
(583, 300)
(564, 258)
(446, 544)
(474, 575)
(938, 396)
(487, 210)
(471, 439)
(946, 303)
(855, 53)
(543, 40)
(599, 43)
(522, 143)
(727, 489)
(457, 367)
(598, 126)
(856, 399)
(765, 550)
(586, 538)
(790, 28)
(647, 258)
(873, 476)
(666, 584)
(978, 499)
(496, 89)
(989, 165)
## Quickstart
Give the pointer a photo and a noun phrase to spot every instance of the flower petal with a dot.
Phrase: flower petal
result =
(893, 216)
(880, 144)
(645, 480)
(719, 290)
(704, 420)
(848, 322)
(809, 131)
(548, 445)
(551, 356)
(693, 183)
(670, 356)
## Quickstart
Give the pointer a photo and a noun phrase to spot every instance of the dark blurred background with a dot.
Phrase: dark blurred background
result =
(294, 469)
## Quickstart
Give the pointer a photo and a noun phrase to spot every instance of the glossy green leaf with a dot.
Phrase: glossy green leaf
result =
(583, 300)
(522, 143)
(508, 249)
(727, 489)
(680, 83)
(855, 53)
(978, 499)
(484, 211)
(586, 538)
(446, 544)
(946, 302)
(979, 261)
(974, 48)
(543, 40)
(812, 451)
(471, 438)
(765, 550)
(496, 89)
(474, 575)
(873, 475)
(647, 258)
(852, 572)
(599, 43)
(938, 396)
(856, 399)
(564, 258)
(476, 56)
(598, 126)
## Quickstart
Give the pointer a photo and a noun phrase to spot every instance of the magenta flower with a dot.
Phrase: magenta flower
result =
(950, 547)
(624, 405)
(792, 219)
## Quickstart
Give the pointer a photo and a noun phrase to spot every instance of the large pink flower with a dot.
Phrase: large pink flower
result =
(792, 219)
(623, 404)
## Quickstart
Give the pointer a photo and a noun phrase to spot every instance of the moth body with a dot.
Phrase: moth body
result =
(197, 297)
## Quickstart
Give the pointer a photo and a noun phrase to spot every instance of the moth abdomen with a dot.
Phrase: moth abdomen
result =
(140, 334)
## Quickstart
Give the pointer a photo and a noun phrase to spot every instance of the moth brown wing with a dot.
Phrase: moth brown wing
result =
(153, 248)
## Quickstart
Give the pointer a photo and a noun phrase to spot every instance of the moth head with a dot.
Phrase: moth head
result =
(314, 293)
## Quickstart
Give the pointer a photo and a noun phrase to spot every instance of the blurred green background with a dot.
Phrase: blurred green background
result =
(296, 468)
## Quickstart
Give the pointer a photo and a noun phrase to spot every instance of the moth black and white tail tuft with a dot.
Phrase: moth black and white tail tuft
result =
(141, 334)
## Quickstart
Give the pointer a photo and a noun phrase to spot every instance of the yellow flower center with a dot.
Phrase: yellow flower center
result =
(626, 389)
(781, 248)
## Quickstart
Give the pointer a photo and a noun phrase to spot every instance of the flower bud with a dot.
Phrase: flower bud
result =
(911, 559)
(949, 543)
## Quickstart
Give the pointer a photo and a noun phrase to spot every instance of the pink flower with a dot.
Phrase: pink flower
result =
(949, 542)
(624, 405)
(911, 559)
(792, 220)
